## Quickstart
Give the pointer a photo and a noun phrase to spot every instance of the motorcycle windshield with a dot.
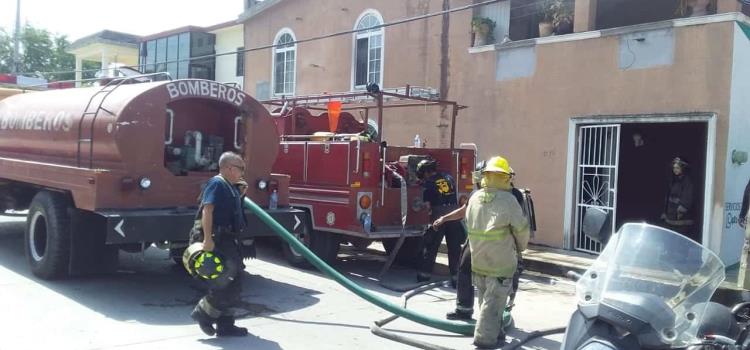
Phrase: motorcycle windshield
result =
(656, 276)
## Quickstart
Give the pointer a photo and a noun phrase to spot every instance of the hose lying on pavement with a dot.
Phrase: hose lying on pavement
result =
(398, 311)
(377, 330)
(448, 326)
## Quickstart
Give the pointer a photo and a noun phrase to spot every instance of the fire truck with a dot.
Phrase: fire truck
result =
(120, 166)
(354, 186)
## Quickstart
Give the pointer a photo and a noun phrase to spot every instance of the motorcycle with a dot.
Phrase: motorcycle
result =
(650, 288)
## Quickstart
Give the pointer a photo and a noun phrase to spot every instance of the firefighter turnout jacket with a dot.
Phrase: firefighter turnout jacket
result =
(497, 231)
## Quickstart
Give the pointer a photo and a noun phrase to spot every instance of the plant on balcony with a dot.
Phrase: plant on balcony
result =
(562, 19)
(547, 10)
(557, 17)
(483, 28)
(695, 8)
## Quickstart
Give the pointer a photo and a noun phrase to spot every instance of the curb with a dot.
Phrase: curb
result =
(727, 294)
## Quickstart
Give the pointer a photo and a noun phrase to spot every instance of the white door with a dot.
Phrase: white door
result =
(596, 190)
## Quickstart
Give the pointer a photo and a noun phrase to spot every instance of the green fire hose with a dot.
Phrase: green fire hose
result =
(453, 327)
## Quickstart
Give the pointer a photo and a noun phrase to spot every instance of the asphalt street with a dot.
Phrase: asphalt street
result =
(146, 305)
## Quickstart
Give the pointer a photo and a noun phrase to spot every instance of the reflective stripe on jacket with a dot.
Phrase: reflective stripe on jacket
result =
(497, 229)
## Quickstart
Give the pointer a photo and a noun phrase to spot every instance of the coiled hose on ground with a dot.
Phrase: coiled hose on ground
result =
(448, 326)
(398, 311)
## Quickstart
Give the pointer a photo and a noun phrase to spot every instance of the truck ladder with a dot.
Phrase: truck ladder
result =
(106, 90)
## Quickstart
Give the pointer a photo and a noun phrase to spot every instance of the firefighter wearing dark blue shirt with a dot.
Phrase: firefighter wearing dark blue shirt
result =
(222, 218)
(440, 195)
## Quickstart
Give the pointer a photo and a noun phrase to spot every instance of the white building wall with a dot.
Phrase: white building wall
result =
(737, 175)
(228, 40)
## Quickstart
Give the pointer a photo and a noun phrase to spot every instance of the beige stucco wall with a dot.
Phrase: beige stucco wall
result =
(525, 119)
(410, 54)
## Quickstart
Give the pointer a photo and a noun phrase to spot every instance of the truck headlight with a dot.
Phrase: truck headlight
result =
(262, 185)
(145, 183)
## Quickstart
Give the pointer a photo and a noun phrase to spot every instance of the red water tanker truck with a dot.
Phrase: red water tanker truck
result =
(354, 186)
(120, 167)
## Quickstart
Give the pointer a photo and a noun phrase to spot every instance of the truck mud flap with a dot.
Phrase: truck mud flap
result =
(159, 225)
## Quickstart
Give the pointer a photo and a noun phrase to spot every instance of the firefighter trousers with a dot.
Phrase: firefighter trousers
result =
(455, 235)
(464, 287)
(491, 299)
(225, 294)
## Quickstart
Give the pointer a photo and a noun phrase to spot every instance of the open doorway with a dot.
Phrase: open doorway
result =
(645, 171)
(624, 174)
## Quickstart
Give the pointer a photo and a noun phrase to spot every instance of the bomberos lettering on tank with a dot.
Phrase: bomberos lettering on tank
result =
(203, 88)
(37, 121)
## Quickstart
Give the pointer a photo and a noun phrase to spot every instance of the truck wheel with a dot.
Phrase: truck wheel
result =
(294, 257)
(410, 254)
(360, 243)
(47, 235)
(325, 245)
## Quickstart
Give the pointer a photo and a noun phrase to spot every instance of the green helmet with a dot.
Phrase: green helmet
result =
(202, 264)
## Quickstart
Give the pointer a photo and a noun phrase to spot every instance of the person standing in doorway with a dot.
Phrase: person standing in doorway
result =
(678, 205)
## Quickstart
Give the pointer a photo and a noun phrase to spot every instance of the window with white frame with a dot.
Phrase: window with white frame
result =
(284, 59)
(368, 50)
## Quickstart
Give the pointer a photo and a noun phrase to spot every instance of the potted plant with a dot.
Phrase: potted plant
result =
(547, 10)
(562, 18)
(482, 27)
(695, 8)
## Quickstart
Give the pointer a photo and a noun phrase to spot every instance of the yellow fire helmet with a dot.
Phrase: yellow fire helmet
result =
(498, 164)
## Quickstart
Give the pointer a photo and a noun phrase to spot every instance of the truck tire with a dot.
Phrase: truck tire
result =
(325, 245)
(410, 254)
(360, 243)
(47, 236)
(292, 256)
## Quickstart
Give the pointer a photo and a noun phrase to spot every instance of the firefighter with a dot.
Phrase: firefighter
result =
(465, 290)
(221, 219)
(440, 197)
(678, 204)
(498, 232)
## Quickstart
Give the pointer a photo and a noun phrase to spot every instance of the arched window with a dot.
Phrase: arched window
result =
(284, 59)
(368, 50)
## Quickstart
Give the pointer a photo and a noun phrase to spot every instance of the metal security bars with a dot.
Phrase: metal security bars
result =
(596, 190)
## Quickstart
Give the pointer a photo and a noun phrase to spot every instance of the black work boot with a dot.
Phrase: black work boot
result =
(225, 328)
(459, 315)
(205, 322)
(501, 339)
(486, 346)
(423, 277)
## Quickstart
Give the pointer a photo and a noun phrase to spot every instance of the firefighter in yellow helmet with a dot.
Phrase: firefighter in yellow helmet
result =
(498, 231)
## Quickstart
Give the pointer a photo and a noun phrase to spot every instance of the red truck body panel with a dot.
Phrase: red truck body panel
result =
(330, 173)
